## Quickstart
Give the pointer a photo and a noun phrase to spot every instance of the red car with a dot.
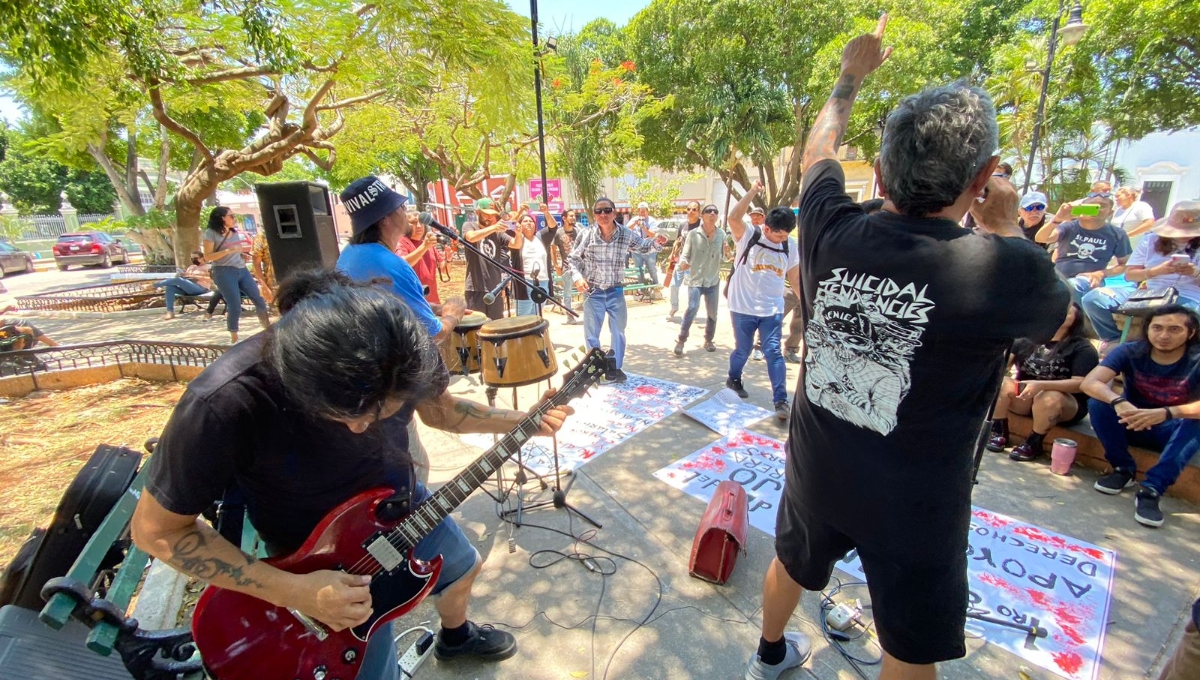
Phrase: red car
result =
(89, 248)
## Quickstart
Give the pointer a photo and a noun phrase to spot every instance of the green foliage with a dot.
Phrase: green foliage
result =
(661, 195)
(35, 183)
(160, 220)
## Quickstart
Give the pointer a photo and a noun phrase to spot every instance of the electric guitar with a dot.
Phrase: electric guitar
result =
(241, 637)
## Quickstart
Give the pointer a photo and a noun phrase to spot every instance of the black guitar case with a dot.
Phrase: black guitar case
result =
(50, 552)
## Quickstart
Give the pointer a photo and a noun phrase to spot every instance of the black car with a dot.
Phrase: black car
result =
(14, 260)
(89, 247)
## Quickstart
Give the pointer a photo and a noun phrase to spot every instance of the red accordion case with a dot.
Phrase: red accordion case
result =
(722, 534)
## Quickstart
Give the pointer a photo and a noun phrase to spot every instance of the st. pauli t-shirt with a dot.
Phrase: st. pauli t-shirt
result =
(1070, 358)
(756, 287)
(235, 425)
(907, 320)
(482, 276)
(1149, 384)
(1081, 251)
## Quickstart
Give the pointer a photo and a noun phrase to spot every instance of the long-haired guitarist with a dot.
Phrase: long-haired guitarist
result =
(301, 418)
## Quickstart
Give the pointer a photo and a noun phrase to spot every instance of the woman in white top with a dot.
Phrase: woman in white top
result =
(533, 261)
(1168, 257)
(1134, 217)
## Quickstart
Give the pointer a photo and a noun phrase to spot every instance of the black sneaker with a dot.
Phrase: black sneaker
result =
(782, 410)
(484, 643)
(736, 386)
(1114, 483)
(679, 348)
(616, 376)
(1147, 511)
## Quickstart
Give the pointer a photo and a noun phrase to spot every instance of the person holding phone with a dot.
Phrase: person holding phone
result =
(1167, 257)
(1087, 243)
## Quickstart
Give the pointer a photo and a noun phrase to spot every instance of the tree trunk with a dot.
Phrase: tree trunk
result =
(188, 204)
(131, 166)
(164, 158)
(133, 206)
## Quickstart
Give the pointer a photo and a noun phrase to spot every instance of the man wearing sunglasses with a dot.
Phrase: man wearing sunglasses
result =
(598, 267)
(701, 263)
(693, 222)
(1032, 214)
(1086, 243)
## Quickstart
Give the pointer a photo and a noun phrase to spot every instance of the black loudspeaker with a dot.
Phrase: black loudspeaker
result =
(298, 222)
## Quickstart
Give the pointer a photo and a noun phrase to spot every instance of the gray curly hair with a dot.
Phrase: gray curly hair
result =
(934, 145)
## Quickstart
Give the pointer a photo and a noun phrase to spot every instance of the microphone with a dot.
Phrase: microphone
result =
(426, 219)
(490, 296)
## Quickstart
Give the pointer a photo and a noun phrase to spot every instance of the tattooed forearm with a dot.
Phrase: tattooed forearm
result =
(471, 417)
(194, 555)
(830, 126)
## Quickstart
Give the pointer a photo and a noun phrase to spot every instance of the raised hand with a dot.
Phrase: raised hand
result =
(866, 53)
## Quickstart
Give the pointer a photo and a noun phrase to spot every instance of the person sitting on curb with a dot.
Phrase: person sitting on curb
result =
(700, 261)
(1160, 408)
(1086, 244)
(1047, 385)
(1165, 258)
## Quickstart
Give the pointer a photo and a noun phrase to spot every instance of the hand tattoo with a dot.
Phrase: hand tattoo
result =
(190, 555)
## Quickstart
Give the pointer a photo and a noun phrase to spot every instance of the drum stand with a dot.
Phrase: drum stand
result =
(520, 477)
(559, 500)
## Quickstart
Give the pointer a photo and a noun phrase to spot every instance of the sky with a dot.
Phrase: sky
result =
(555, 16)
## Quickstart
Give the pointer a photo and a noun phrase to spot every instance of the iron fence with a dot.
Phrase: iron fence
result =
(94, 217)
(42, 226)
(34, 361)
(167, 269)
(109, 297)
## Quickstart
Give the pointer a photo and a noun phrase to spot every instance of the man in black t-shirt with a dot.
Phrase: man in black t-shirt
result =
(907, 317)
(693, 222)
(298, 431)
(562, 243)
(494, 241)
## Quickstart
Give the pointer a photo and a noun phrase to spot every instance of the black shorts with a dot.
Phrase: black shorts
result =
(920, 608)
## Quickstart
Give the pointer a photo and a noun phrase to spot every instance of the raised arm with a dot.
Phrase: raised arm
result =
(477, 235)
(861, 56)
(737, 214)
(1049, 231)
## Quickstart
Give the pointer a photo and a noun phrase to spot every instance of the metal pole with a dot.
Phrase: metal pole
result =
(537, 87)
(1041, 110)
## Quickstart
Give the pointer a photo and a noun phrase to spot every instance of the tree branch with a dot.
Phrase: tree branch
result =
(325, 165)
(352, 101)
(160, 114)
(230, 74)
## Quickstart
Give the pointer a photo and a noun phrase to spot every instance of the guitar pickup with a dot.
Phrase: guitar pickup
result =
(384, 552)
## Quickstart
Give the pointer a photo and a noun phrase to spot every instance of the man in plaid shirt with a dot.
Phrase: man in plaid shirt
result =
(598, 267)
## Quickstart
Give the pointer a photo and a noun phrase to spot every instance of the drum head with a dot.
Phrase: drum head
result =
(512, 326)
(473, 320)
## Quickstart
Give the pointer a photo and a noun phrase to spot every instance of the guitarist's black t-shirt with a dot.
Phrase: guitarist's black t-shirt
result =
(235, 424)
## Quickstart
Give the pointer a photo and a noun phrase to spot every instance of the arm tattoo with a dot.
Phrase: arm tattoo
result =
(193, 556)
(467, 410)
(830, 127)
(844, 88)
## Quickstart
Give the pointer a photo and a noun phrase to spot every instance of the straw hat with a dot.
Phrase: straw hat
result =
(1183, 222)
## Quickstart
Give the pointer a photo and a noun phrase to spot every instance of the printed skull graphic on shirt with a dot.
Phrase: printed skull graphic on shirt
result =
(860, 341)
(1084, 247)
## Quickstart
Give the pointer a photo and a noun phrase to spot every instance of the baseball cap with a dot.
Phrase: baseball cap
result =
(486, 205)
(1034, 198)
(757, 211)
(643, 204)
(369, 200)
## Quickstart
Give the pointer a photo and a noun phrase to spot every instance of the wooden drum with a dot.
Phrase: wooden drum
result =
(461, 349)
(516, 351)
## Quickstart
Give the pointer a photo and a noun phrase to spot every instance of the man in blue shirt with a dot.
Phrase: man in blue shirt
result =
(378, 221)
(1160, 408)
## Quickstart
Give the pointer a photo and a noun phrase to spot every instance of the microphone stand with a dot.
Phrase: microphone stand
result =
(517, 276)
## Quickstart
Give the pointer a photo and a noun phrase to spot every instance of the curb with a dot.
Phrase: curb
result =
(108, 316)
(161, 597)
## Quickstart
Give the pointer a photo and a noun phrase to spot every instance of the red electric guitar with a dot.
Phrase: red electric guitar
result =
(241, 637)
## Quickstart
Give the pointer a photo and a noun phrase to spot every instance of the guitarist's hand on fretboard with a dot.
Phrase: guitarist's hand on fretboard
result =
(553, 420)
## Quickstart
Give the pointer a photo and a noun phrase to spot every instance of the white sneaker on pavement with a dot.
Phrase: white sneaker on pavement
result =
(799, 648)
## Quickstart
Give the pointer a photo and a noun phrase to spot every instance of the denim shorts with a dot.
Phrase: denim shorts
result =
(447, 540)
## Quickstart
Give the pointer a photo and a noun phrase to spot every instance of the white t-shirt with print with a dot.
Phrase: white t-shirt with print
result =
(757, 286)
(533, 258)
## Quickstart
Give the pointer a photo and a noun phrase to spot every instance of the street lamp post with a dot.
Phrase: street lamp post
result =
(1071, 33)
(537, 87)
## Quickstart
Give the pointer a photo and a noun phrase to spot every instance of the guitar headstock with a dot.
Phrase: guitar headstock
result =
(591, 369)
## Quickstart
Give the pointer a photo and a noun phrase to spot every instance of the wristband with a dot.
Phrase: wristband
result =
(1118, 400)
(1170, 416)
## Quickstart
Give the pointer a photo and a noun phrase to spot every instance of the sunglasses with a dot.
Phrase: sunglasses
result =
(1036, 206)
(710, 212)
(604, 211)
(1100, 194)
(692, 209)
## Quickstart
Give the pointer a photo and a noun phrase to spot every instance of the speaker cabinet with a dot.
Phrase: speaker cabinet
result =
(298, 222)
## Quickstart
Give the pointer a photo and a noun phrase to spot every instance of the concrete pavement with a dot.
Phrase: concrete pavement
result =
(698, 630)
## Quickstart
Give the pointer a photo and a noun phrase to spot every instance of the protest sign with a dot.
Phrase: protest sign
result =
(1031, 576)
(607, 416)
(725, 413)
(752, 460)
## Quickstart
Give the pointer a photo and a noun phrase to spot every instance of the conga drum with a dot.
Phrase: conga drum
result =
(460, 352)
(516, 351)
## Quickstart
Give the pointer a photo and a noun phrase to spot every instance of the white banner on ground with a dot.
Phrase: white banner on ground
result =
(1030, 576)
(607, 416)
(752, 460)
(725, 413)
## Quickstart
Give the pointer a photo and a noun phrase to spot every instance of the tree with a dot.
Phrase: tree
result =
(35, 183)
(310, 62)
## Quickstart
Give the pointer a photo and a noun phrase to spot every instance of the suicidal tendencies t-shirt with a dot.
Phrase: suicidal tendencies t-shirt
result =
(236, 425)
(482, 276)
(1089, 250)
(907, 320)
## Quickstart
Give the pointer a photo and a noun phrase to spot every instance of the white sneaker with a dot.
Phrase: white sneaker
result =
(799, 648)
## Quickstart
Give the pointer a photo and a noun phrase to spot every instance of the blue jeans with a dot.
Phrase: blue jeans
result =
(233, 282)
(711, 295)
(770, 330)
(1100, 304)
(676, 281)
(646, 263)
(568, 288)
(528, 307)
(177, 285)
(1177, 439)
(596, 305)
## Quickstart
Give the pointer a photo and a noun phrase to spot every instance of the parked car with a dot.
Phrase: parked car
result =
(670, 227)
(13, 259)
(89, 247)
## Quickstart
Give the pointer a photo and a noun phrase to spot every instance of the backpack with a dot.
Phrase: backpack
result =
(755, 240)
